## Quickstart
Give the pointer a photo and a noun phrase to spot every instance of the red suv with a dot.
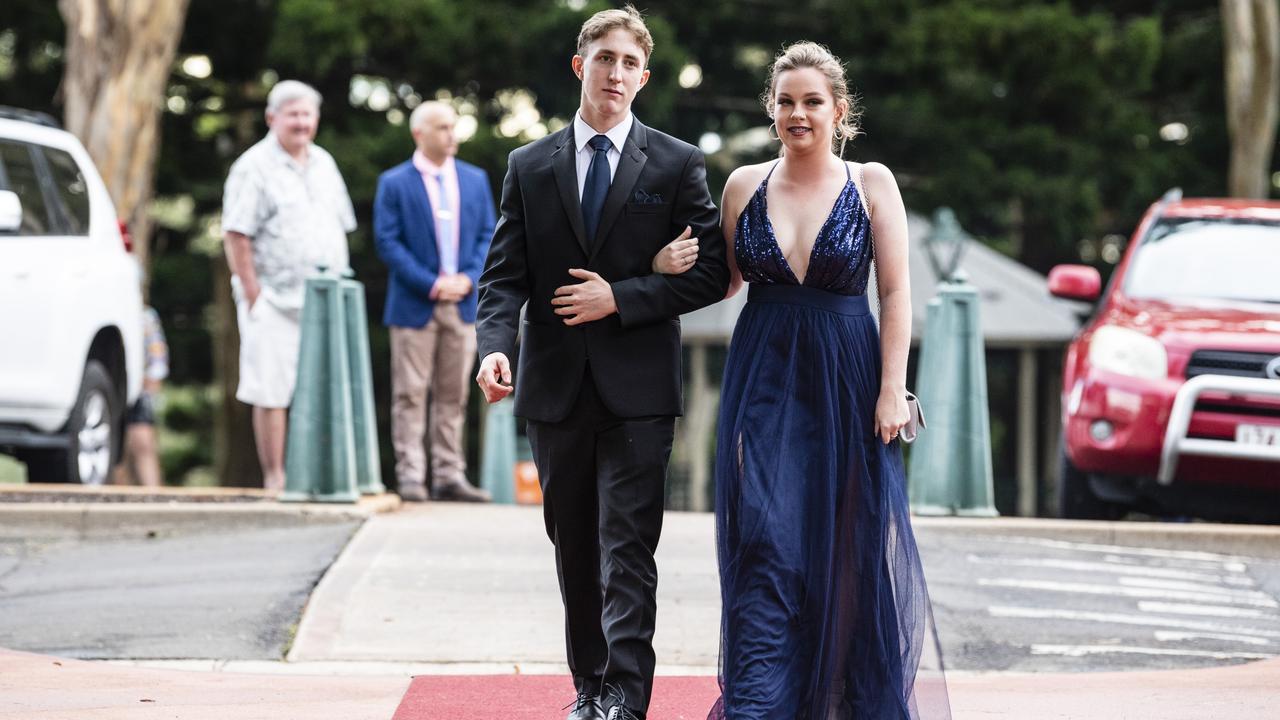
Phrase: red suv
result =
(1171, 392)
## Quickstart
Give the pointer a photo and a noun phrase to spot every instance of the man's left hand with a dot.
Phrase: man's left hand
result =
(591, 299)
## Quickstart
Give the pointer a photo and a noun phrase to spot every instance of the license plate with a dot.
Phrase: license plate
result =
(1258, 434)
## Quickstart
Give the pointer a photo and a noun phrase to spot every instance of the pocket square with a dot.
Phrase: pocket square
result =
(643, 198)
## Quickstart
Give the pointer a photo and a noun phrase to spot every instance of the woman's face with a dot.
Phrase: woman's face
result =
(804, 110)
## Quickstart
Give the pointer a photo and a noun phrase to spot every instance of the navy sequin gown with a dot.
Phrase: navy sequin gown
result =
(825, 615)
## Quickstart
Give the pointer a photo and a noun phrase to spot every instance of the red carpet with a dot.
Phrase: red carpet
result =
(538, 697)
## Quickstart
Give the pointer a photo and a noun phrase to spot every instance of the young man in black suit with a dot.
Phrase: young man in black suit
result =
(584, 211)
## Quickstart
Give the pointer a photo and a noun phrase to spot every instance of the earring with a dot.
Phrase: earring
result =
(773, 132)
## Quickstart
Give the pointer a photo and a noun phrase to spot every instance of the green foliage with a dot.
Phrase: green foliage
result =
(186, 416)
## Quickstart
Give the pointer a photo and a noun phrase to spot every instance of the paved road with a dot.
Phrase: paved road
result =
(470, 588)
(1032, 604)
(235, 594)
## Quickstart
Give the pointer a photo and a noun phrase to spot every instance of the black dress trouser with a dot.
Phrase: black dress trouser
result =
(603, 483)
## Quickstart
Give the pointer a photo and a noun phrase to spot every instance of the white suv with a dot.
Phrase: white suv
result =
(71, 350)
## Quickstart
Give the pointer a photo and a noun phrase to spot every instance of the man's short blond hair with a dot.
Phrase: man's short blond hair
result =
(606, 21)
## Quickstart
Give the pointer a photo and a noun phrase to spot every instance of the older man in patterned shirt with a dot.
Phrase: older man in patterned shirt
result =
(285, 213)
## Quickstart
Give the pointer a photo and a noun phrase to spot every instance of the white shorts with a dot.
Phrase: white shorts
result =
(269, 342)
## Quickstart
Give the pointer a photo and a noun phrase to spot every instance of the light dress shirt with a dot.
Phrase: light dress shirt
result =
(582, 134)
(445, 214)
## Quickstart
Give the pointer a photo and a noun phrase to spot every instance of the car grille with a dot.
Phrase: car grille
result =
(1228, 362)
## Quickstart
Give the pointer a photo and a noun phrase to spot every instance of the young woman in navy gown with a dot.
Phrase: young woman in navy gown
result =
(825, 614)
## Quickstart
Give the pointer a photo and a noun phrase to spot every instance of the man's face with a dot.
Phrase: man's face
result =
(294, 124)
(612, 72)
(434, 135)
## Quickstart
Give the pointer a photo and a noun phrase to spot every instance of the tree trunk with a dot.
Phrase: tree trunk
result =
(235, 462)
(1251, 42)
(119, 54)
(235, 451)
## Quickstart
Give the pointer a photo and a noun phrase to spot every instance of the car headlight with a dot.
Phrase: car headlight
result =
(1128, 352)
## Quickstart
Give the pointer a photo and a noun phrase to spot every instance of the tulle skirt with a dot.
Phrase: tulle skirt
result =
(825, 613)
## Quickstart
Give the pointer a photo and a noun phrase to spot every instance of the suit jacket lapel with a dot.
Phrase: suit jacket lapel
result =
(624, 180)
(464, 217)
(566, 173)
(422, 201)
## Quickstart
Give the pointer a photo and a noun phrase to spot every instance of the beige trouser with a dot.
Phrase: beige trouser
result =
(435, 360)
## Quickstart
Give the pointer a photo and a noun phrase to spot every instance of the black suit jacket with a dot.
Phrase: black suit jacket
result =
(660, 187)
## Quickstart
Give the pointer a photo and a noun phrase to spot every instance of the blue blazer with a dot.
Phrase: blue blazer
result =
(404, 231)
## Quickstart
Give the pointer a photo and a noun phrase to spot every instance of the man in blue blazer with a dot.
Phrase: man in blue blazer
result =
(433, 218)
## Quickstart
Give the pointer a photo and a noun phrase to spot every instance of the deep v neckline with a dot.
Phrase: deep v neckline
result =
(763, 191)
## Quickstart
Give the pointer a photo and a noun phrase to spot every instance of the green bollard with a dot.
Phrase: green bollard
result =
(368, 464)
(951, 462)
(498, 464)
(320, 453)
(950, 469)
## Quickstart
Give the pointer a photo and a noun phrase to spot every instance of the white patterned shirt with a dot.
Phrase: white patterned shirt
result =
(296, 215)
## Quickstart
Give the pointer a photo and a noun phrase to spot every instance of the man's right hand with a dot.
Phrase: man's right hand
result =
(494, 377)
(252, 291)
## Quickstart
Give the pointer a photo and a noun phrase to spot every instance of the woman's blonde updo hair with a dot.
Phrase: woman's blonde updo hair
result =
(812, 55)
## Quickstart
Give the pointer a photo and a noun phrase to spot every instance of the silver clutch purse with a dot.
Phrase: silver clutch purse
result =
(915, 421)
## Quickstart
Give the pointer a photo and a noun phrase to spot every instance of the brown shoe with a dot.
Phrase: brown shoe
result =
(412, 492)
(459, 491)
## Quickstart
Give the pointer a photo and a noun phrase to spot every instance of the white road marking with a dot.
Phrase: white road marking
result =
(1119, 591)
(1192, 587)
(1231, 566)
(1083, 650)
(1209, 610)
(1139, 551)
(1207, 626)
(1180, 636)
(1113, 568)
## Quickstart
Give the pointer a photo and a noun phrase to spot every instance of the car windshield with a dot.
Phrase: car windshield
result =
(1199, 258)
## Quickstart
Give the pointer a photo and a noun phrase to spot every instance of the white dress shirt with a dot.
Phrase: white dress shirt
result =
(582, 134)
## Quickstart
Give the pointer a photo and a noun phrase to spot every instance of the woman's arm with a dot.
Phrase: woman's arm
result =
(889, 230)
(680, 254)
(732, 202)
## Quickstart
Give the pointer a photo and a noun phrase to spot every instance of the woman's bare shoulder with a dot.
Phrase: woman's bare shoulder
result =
(876, 174)
(744, 180)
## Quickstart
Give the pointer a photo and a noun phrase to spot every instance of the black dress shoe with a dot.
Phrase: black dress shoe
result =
(622, 712)
(460, 491)
(586, 707)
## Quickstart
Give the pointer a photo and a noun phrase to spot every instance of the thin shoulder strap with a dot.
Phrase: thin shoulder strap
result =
(770, 173)
(862, 188)
(847, 176)
(873, 286)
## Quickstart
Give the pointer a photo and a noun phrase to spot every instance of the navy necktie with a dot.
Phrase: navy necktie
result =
(597, 186)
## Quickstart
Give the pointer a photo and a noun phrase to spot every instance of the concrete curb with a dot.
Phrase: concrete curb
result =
(75, 520)
(1259, 541)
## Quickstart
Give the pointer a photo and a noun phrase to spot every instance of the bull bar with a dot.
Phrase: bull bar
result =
(1176, 442)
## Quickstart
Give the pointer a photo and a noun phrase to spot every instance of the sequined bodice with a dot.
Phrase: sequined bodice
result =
(840, 261)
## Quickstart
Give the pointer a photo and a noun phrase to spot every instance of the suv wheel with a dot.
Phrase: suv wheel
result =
(93, 433)
(1076, 500)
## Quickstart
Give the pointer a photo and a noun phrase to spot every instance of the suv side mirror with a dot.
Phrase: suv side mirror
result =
(1075, 282)
(10, 211)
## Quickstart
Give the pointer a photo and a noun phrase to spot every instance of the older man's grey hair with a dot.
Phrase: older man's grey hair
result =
(286, 91)
(425, 110)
